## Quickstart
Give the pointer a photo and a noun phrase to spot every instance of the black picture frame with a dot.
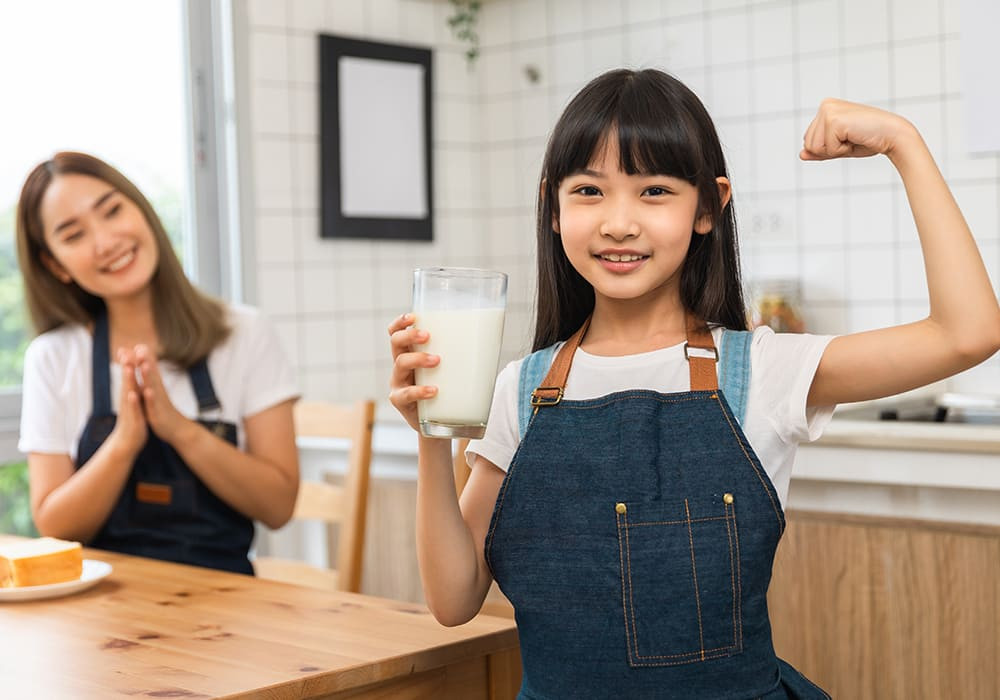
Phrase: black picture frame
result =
(335, 221)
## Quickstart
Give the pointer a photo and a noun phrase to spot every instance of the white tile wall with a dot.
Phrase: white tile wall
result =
(762, 67)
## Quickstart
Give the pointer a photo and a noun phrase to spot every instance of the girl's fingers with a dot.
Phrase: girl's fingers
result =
(404, 397)
(403, 340)
(402, 368)
(401, 322)
(837, 145)
(807, 138)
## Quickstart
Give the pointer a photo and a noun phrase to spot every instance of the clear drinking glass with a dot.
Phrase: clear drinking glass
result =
(463, 311)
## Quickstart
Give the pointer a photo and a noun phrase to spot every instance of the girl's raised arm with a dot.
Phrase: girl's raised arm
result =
(963, 327)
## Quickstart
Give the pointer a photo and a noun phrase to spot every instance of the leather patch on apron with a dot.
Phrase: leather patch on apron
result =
(160, 494)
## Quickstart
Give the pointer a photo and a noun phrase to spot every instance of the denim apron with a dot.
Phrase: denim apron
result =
(164, 510)
(634, 535)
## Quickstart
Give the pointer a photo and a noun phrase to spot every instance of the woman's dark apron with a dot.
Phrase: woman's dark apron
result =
(164, 510)
(634, 535)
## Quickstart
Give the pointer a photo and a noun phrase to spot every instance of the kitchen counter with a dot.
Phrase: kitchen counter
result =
(921, 469)
(906, 435)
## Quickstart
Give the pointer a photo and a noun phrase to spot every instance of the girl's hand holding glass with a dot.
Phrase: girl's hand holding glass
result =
(404, 393)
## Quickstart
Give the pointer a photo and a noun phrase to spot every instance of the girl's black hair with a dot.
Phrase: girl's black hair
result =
(662, 128)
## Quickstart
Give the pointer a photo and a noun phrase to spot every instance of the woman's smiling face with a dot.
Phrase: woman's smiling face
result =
(97, 237)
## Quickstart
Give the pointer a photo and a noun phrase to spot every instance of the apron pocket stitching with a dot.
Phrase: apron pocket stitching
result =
(630, 608)
(694, 576)
(734, 573)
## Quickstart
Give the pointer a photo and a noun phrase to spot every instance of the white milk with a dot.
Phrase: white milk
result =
(468, 341)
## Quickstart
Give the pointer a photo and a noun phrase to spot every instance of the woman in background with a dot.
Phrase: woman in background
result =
(157, 420)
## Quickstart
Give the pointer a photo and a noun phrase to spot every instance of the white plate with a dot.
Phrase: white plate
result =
(93, 571)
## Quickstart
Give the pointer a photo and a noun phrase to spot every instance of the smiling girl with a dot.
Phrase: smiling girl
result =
(157, 420)
(628, 495)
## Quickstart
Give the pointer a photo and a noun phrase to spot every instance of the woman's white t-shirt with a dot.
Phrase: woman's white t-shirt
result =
(782, 366)
(249, 373)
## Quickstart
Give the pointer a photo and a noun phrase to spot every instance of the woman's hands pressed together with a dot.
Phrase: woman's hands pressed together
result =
(161, 416)
(144, 403)
(130, 431)
(404, 393)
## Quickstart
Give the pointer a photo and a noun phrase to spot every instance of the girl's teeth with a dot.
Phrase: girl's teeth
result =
(614, 257)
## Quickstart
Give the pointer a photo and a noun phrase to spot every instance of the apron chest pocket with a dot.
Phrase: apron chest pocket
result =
(680, 568)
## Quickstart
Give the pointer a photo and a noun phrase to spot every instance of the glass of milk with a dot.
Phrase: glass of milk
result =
(462, 309)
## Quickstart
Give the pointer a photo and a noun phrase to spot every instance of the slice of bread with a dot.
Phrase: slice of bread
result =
(39, 562)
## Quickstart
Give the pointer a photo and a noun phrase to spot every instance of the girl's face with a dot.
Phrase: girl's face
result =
(98, 237)
(627, 235)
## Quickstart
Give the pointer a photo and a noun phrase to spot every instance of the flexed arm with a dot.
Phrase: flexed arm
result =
(963, 327)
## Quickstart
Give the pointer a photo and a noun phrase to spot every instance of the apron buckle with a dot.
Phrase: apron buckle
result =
(546, 396)
(703, 353)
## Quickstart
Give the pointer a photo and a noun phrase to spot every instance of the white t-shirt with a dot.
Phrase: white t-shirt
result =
(776, 420)
(249, 373)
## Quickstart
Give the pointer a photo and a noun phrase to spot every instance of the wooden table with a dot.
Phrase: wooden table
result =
(162, 630)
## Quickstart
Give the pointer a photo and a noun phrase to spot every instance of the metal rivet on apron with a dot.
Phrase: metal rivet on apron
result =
(620, 508)
(727, 498)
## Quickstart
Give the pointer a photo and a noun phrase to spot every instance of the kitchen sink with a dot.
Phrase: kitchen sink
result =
(941, 408)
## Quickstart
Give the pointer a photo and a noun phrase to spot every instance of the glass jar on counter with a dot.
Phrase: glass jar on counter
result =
(777, 303)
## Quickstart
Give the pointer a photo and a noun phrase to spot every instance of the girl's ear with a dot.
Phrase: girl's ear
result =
(57, 270)
(703, 224)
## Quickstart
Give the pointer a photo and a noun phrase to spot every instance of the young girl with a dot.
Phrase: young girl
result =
(157, 421)
(628, 493)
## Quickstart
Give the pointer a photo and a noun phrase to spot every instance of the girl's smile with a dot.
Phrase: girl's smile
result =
(621, 261)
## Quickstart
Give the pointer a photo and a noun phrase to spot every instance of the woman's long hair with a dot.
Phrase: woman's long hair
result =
(662, 128)
(189, 323)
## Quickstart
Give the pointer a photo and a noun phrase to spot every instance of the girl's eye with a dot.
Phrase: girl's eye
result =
(114, 210)
(656, 191)
(70, 237)
(587, 191)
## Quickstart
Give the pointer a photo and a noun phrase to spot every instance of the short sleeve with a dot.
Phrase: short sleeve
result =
(784, 365)
(267, 374)
(500, 442)
(43, 428)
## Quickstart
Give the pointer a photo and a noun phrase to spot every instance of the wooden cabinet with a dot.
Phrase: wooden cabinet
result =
(876, 607)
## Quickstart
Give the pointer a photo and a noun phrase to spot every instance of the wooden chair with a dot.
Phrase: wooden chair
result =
(341, 507)
(496, 602)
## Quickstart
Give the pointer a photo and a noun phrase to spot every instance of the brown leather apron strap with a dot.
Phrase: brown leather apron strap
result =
(550, 392)
(699, 350)
(701, 355)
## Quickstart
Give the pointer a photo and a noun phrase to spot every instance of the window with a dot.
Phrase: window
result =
(133, 83)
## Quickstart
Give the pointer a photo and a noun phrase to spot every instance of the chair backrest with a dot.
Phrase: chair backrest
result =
(344, 506)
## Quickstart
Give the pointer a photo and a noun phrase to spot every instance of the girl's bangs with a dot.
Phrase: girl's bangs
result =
(649, 141)
(659, 145)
